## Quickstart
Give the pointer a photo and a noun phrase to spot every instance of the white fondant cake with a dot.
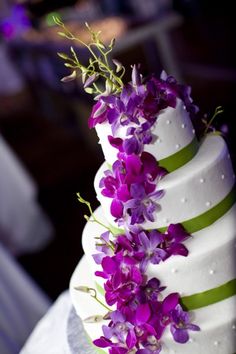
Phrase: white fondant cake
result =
(199, 195)
(159, 271)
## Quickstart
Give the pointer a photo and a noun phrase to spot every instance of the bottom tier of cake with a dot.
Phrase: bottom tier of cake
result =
(217, 321)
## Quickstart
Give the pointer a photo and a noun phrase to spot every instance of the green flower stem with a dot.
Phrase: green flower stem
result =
(98, 64)
(93, 293)
(97, 89)
(108, 244)
(83, 201)
(100, 302)
(218, 110)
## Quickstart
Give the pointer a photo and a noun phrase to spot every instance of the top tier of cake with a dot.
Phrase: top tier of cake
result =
(173, 132)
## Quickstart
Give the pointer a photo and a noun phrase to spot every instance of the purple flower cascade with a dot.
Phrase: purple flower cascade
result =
(141, 313)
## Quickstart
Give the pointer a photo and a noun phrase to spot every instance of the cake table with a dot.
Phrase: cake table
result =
(60, 331)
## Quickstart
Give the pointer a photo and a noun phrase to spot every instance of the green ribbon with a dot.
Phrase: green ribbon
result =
(180, 158)
(195, 301)
(203, 299)
(201, 221)
(177, 160)
(209, 297)
(209, 217)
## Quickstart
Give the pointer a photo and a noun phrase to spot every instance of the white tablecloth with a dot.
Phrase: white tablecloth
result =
(60, 331)
(49, 336)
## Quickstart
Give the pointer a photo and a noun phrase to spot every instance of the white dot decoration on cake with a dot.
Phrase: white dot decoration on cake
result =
(183, 125)
(168, 122)
(222, 176)
(184, 200)
(212, 271)
(159, 140)
(193, 131)
(177, 146)
(184, 107)
(202, 180)
(234, 327)
(208, 203)
(166, 220)
(191, 340)
(216, 343)
(174, 270)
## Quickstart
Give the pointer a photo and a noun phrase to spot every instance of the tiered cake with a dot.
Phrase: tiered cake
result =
(159, 272)
(199, 195)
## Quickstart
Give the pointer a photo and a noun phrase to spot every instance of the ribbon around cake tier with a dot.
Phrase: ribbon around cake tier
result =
(180, 158)
(209, 297)
(203, 299)
(201, 221)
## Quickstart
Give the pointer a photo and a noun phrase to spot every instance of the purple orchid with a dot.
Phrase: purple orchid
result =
(181, 91)
(120, 331)
(142, 206)
(141, 320)
(124, 109)
(151, 346)
(124, 278)
(148, 250)
(113, 187)
(180, 325)
(150, 292)
(98, 115)
(104, 246)
(161, 313)
(139, 103)
(132, 186)
(173, 239)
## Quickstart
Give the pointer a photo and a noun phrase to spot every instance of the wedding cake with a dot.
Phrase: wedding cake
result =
(159, 272)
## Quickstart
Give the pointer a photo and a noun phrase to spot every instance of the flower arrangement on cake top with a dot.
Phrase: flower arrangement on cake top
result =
(138, 314)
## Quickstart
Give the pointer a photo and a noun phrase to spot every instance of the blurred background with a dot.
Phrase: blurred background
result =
(43, 122)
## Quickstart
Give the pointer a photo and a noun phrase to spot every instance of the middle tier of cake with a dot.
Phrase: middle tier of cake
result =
(196, 194)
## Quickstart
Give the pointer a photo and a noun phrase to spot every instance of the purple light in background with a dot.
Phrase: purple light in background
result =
(16, 23)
